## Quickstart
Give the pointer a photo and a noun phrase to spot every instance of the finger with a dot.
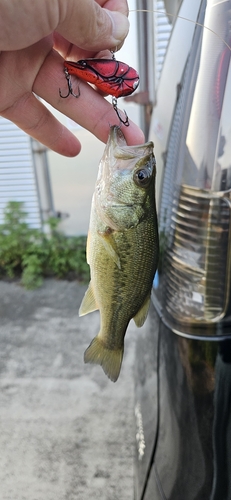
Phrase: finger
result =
(84, 20)
(91, 27)
(29, 114)
(74, 53)
(90, 110)
(115, 5)
(18, 103)
(24, 23)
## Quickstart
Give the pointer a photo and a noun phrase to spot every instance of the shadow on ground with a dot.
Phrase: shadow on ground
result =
(66, 431)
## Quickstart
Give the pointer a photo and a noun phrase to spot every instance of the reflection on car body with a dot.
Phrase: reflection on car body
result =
(183, 369)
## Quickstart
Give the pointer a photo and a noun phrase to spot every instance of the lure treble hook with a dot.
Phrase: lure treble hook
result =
(126, 121)
(114, 102)
(70, 89)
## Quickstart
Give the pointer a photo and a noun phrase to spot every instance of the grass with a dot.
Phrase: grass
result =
(30, 255)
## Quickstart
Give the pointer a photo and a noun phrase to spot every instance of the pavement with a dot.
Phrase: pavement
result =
(66, 431)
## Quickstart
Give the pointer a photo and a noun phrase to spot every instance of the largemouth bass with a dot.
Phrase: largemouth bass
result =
(122, 247)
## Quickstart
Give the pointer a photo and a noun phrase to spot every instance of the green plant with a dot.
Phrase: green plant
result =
(32, 255)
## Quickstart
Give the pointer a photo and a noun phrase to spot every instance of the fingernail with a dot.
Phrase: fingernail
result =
(120, 25)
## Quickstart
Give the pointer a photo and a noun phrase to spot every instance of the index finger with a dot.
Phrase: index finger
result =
(90, 110)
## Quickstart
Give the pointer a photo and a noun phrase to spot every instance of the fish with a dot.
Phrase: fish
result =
(122, 247)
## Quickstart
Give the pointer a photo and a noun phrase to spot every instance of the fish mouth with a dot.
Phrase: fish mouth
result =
(116, 136)
(122, 150)
(120, 158)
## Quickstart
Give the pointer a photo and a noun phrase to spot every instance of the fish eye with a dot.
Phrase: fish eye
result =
(83, 63)
(142, 177)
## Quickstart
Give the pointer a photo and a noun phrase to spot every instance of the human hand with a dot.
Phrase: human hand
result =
(34, 39)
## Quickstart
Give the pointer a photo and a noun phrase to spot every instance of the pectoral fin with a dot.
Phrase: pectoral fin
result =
(109, 246)
(88, 303)
(141, 316)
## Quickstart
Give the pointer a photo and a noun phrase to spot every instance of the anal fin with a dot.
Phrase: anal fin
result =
(141, 316)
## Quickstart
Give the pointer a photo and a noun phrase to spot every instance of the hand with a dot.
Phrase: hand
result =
(34, 39)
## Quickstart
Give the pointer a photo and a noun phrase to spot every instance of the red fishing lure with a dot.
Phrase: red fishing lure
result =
(112, 77)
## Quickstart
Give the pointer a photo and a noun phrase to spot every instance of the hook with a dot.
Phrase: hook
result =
(126, 121)
(70, 89)
(114, 100)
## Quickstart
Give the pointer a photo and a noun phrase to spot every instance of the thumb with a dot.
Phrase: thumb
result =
(92, 27)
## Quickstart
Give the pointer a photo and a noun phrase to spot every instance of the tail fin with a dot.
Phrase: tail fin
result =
(109, 359)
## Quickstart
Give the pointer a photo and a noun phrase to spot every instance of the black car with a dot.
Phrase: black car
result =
(183, 358)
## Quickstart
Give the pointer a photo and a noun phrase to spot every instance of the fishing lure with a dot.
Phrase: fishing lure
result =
(113, 77)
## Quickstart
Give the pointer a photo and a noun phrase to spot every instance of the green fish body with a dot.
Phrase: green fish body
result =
(122, 247)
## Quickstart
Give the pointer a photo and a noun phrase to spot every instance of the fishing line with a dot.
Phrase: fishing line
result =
(151, 11)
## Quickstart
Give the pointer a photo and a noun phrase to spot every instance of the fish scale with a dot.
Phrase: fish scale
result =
(122, 248)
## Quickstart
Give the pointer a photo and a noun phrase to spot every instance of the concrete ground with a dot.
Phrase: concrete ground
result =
(66, 431)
